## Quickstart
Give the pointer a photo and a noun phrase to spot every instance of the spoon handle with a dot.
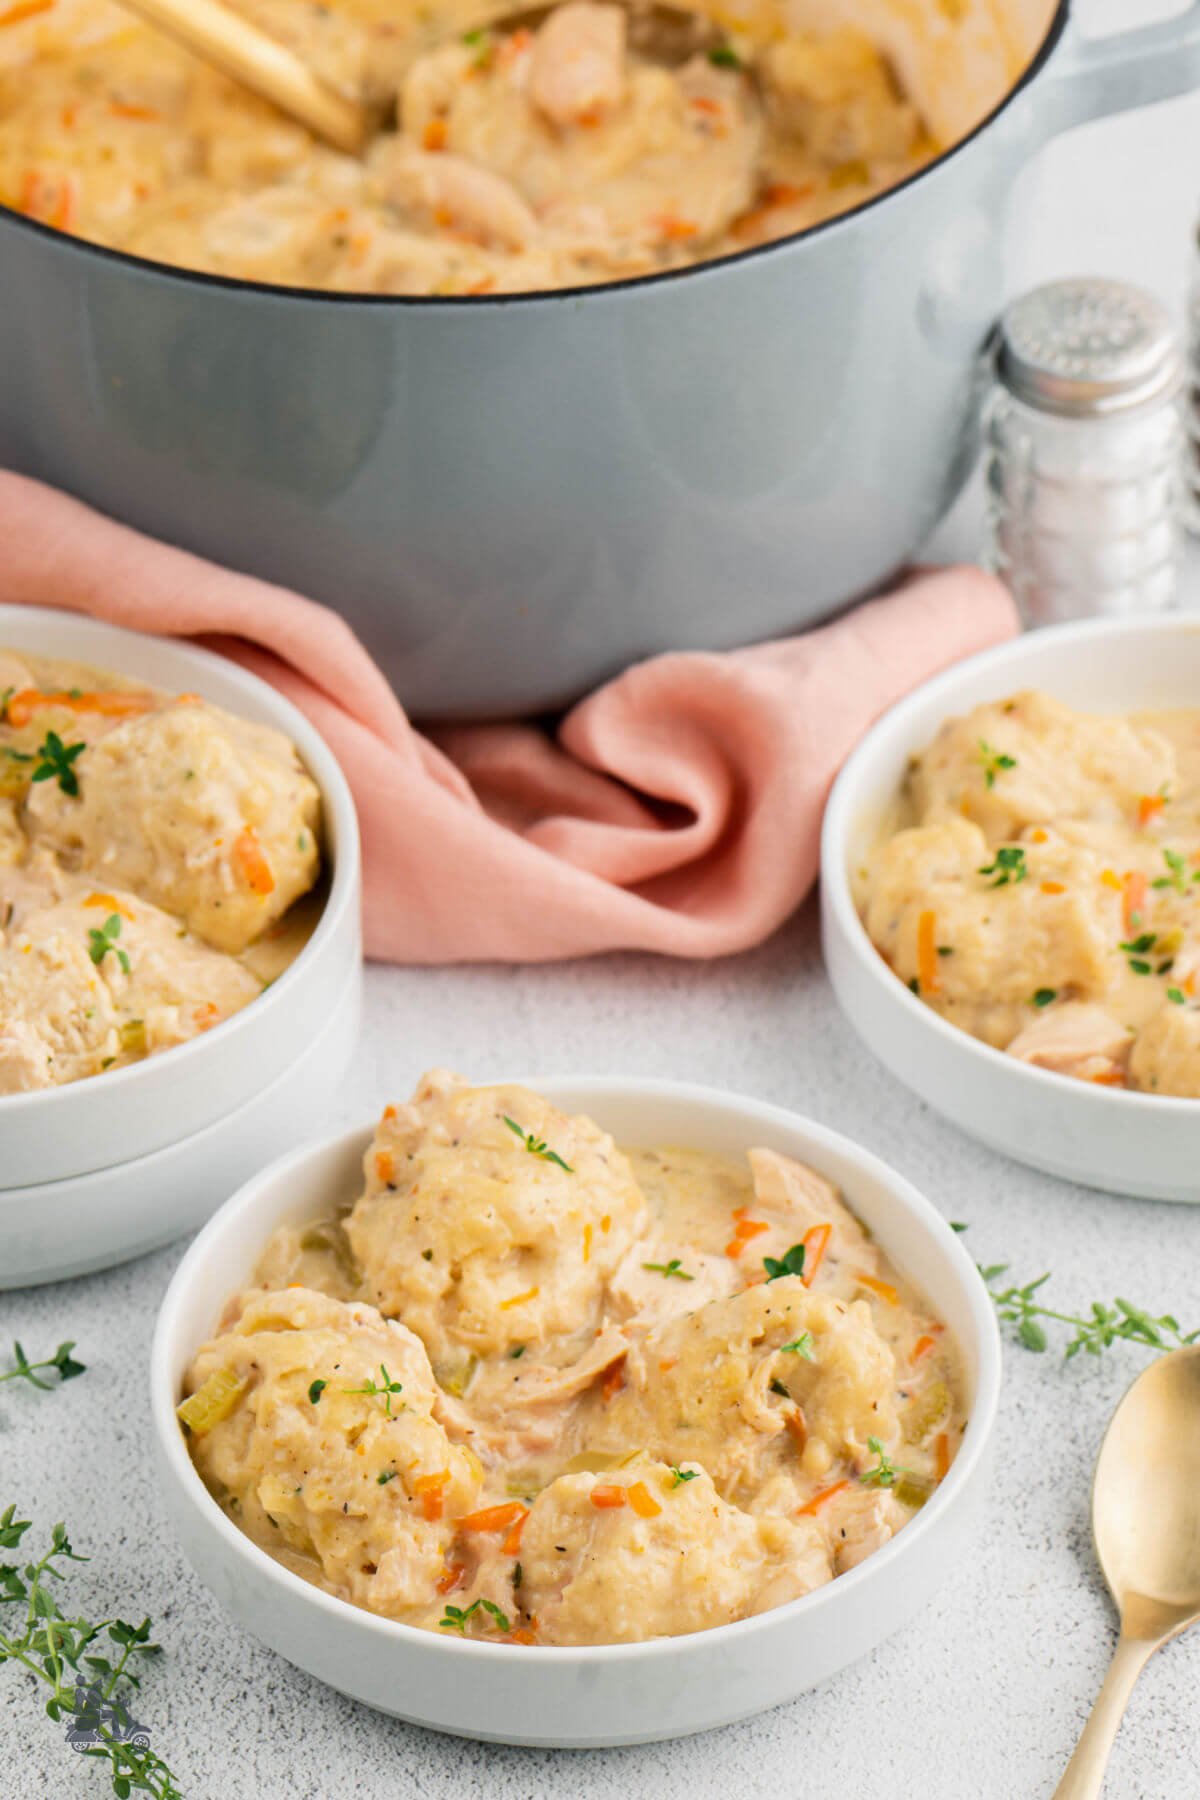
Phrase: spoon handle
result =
(1085, 1771)
(222, 37)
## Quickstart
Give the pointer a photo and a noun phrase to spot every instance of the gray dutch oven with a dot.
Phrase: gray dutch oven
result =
(510, 498)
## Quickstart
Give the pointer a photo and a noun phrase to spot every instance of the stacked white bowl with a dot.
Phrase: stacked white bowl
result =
(104, 1169)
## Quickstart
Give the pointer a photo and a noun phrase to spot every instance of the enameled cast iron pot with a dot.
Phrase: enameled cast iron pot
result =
(511, 497)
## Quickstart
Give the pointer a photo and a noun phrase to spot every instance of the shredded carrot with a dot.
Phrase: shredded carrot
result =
(642, 1501)
(1135, 898)
(385, 1165)
(779, 193)
(667, 1364)
(519, 1299)
(884, 1289)
(797, 1428)
(65, 209)
(818, 1500)
(1053, 887)
(743, 1232)
(674, 229)
(24, 9)
(941, 1451)
(614, 1379)
(484, 286)
(434, 135)
(124, 109)
(389, 1113)
(785, 193)
(254, 866)
(605, 1496)
(512, 46)
(110, 903)
(921, 1348)
(492, 1518)
(927, 957)
(431, 1491)
(587, 1243)
(512, 1542)
(1038, 836)
(206, 1016)
(22, 706)
(1108, 1078)
(1149, 806)
(815, 1243)
(521, 1636)
(706, 104)
(453, 1578)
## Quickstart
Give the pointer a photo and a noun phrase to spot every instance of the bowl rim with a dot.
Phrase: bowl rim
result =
(172, 275)
(838, 824)
(921, 1214)
(342, 846)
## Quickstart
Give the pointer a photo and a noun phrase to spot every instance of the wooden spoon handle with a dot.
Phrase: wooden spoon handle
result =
(241, 50)
(1084, 1778)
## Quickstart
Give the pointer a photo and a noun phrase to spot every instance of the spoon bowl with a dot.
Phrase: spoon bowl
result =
(1146, 1526)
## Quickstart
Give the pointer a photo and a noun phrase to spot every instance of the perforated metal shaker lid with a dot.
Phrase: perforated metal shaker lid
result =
(1088, 348)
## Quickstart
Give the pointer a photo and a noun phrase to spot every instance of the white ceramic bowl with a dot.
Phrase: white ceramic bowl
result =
(65, 1153)
(1126, 1142)
(610, 1694)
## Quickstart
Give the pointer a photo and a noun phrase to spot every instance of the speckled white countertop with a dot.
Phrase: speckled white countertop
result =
(981, 1699)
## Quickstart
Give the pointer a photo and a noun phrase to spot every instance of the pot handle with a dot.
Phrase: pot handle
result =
(1088, 78)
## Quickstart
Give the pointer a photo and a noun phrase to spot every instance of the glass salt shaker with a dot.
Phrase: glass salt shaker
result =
(1191, 405)
(1083, 453)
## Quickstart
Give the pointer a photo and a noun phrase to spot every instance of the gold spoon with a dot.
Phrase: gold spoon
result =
(214, 32)
(1146, 1526)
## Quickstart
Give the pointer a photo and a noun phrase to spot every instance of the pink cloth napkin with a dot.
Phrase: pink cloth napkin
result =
(678, 809)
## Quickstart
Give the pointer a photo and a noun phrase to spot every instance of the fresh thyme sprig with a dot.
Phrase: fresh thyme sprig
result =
(56, 762)
(384, 1389)
(457, 1618)
(1095, 1331)
(60, 1651)
(790, 1263)
(104, 939)
(993, 762)
(62, 1361)
(668, 1269)
(537, 1146)
(1180, 875)
(1009, 865)
(884, 1473)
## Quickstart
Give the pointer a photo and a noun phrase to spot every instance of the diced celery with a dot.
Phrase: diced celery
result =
(212, 1401)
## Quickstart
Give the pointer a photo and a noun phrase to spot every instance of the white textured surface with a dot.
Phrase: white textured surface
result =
(979, 1700)
(982, 1698)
